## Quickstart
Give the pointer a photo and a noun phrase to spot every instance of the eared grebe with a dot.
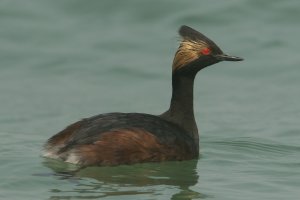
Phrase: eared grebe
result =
(127, 138)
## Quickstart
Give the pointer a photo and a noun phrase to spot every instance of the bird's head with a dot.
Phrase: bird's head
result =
(196, 52)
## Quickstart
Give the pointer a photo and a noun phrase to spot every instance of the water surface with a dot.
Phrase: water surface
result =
(61, 61)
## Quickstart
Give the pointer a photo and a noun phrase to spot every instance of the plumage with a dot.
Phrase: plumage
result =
(128, 138)
(114, 138)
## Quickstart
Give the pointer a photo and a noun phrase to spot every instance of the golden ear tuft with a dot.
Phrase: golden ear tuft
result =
(189, 51)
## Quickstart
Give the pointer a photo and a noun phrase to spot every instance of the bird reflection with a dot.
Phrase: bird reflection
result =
(140, 180)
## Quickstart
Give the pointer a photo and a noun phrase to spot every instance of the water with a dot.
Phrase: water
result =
(61, 61)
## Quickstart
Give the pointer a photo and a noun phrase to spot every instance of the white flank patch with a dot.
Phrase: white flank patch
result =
(73, 158)
(50, 153)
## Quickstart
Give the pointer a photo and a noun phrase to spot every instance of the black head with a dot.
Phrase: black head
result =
(196, 52)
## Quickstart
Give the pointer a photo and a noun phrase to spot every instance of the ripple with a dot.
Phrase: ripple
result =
(257, 145)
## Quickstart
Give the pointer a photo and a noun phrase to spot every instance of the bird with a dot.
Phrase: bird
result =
(117, 138)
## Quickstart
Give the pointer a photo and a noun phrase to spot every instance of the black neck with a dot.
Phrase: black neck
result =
(181, 111)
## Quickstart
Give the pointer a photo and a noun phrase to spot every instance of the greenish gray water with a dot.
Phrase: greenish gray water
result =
(64, 60)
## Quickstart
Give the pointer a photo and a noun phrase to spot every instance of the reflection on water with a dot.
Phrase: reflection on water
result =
(144, 180)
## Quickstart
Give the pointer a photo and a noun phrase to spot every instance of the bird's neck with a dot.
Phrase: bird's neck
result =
(181, 111)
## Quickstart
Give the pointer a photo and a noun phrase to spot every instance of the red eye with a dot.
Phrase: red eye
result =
(206, 51)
